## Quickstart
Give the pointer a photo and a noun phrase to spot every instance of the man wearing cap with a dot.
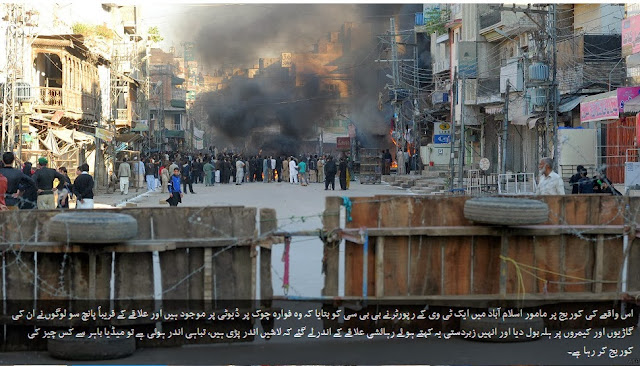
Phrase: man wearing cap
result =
(44, 178)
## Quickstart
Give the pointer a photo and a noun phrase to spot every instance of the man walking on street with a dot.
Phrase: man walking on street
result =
(44, 178)
(149, 169)
(293, 171)
(174, 189)
(138, 170)
(124, 172)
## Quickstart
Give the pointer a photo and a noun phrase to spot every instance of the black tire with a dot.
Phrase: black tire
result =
(506, 211)
(504, 329)
(92, 227)
(84, 349)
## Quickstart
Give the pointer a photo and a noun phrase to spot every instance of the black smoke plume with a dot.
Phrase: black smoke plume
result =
(272, 113)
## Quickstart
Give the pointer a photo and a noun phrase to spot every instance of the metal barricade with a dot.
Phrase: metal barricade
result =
(517, 183)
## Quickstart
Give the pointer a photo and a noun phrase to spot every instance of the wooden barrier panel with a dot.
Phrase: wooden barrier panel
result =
(581, 253)
(204, 257)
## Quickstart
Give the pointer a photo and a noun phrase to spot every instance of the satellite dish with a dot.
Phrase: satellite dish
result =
(484, 164)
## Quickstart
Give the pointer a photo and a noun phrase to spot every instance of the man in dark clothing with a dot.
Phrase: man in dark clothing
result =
(186, 177)
(575, 178)
(343, 174)
(279, 168)
(17, 182)
(387, 162)
(260, 168)
(65, 189)
(44, 178)
(330, 171)
(83, 188)
(585, 184)
(252, 170)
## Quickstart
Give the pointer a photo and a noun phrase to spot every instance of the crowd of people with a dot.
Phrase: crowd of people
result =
(30, 188)
(176, 173)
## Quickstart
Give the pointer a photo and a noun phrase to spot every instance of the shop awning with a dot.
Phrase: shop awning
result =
(529, 120)
(633, 105)
(140, 127)
(128, 137)
(570, 104)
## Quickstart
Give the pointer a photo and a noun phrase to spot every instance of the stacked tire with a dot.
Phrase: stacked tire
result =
(506, 211)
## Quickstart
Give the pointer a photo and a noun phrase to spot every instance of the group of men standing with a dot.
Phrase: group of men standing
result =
(29, 188)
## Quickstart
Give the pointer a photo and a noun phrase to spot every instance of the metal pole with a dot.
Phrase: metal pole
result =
(461, 152)
(555, 89)
(453, 132)
(505, 126)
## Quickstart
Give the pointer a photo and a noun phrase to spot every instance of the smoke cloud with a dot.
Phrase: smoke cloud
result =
(272, 113)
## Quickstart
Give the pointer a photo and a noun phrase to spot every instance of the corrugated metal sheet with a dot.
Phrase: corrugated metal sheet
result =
(620, 137)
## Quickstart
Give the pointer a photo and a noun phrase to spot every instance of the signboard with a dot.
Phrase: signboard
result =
(441, 139)
(599, 110)
(626, 94)
(104, 134)
(468, 62)
(441, 132)
(630, 32)
(286, 59)
(343, 143)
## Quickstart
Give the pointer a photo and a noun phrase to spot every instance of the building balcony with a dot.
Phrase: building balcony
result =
(441, 66)
(497, 25)
(66, 100)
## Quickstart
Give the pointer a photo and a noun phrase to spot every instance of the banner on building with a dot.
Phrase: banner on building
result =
(600, 107)
(468, 60)
(630, 32)
(104, 134)
(626, 94)
(343, 143)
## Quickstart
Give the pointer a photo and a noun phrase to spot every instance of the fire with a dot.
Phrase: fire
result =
(392, 139)
(394, 165)
(275, 174)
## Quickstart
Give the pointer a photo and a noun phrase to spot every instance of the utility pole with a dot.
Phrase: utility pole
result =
(461, 151)
(554, 85)
(15, 51)
(395, 73)
(453, 132)
(505, 126)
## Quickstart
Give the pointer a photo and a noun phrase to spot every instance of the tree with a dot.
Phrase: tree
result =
(154, 35)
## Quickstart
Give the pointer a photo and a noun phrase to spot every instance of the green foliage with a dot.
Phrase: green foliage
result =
(154, 35)
(435, 20)
(88, 30)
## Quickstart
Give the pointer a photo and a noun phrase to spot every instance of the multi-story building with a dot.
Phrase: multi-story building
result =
(505, 53)
(167, 102)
